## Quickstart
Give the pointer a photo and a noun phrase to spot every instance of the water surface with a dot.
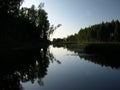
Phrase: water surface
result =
(56, 68)
(76, 73)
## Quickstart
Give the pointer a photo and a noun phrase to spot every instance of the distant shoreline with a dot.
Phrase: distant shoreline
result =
(94, 47)
(23, 45)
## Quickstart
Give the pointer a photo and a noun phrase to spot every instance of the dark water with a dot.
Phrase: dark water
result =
(58, 69)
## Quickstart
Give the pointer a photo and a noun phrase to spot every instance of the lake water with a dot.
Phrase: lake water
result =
(59, 69)
(75, 73)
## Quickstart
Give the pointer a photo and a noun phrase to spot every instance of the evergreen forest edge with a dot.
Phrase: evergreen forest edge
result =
(22, 25)
(99, 33)
(103, 38)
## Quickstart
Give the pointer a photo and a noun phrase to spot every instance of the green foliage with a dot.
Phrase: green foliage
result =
(39, 17)
(58, 40)
(10, 7)
(52, 28)
(43, 22)
(25, 24)
(103, 32)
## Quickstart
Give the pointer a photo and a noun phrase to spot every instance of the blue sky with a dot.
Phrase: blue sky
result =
(77, 14)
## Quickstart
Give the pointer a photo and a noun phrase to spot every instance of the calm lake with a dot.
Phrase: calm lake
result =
(58, 68)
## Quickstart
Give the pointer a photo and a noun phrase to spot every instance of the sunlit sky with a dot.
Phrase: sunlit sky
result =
(77, 14)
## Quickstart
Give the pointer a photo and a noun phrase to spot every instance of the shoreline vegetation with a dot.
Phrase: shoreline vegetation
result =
(93, 47)
(103, 32)
(23, 27)
(27, 45)
(102, 53)
(99, 38)
(30, 28)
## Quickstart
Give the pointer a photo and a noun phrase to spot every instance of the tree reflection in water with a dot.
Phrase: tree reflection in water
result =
(103, 59)
(23, 65)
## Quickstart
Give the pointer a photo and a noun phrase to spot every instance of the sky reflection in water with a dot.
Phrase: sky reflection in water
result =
(75, 73)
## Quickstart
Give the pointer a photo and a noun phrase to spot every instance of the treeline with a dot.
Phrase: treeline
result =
(103, 32)
(24, 24)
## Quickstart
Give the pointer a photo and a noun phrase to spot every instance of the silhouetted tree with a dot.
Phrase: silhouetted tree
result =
(42, 21)
(117, 31)
(51, 30)
(10, 7)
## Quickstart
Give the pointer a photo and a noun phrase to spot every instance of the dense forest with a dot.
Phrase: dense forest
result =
(103, 32)
(22, 24)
